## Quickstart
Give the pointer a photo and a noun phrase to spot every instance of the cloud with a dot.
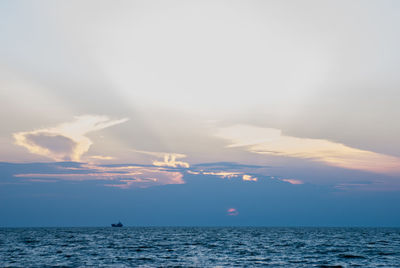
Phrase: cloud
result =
(231, 170)
(228, 170)
(249, 178)
(66, 141)
(272, 142)
(222, 174)
(169, 159)
(122, 176)
(126, 176)
(101, 157)
(293, 181)
(226, 174)
(56, 143)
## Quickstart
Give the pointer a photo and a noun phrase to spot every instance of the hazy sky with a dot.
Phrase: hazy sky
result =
(143, 93)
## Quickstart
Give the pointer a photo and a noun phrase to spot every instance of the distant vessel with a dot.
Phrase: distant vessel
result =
(119, 224)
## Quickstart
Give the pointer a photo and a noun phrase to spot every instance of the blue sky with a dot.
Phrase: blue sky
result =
(200, 200)
(199, 113)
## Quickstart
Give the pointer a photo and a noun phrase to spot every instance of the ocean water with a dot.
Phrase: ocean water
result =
(199, 247)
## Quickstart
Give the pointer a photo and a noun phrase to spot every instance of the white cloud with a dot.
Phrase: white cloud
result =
(272, 142)
(249, 178)
(66, 141)
(222, 174)
(169, 159)
(228, 175)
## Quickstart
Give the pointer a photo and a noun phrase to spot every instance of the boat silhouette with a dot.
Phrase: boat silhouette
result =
(119, 224)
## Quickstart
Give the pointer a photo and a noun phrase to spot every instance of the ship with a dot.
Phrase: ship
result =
(119, 224)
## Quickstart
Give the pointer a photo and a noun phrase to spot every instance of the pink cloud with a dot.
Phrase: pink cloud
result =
(293, 181)
(123, 176)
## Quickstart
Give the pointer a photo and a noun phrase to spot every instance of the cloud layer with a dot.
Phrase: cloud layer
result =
(123, 177)
(272, 142)
(126, 176)
(66, 141)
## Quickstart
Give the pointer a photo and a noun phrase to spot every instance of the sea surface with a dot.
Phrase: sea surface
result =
(199, 247)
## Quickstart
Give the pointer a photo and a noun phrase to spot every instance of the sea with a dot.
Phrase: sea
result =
(199, 247)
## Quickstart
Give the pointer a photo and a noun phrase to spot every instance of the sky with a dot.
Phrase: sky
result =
(204, 113)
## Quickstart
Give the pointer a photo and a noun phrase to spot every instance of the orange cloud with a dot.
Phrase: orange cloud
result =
(249, 178)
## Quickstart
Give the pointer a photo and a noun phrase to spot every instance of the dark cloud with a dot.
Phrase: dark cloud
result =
(57, 144)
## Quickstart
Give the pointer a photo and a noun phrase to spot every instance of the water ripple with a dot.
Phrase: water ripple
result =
(199, 247)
